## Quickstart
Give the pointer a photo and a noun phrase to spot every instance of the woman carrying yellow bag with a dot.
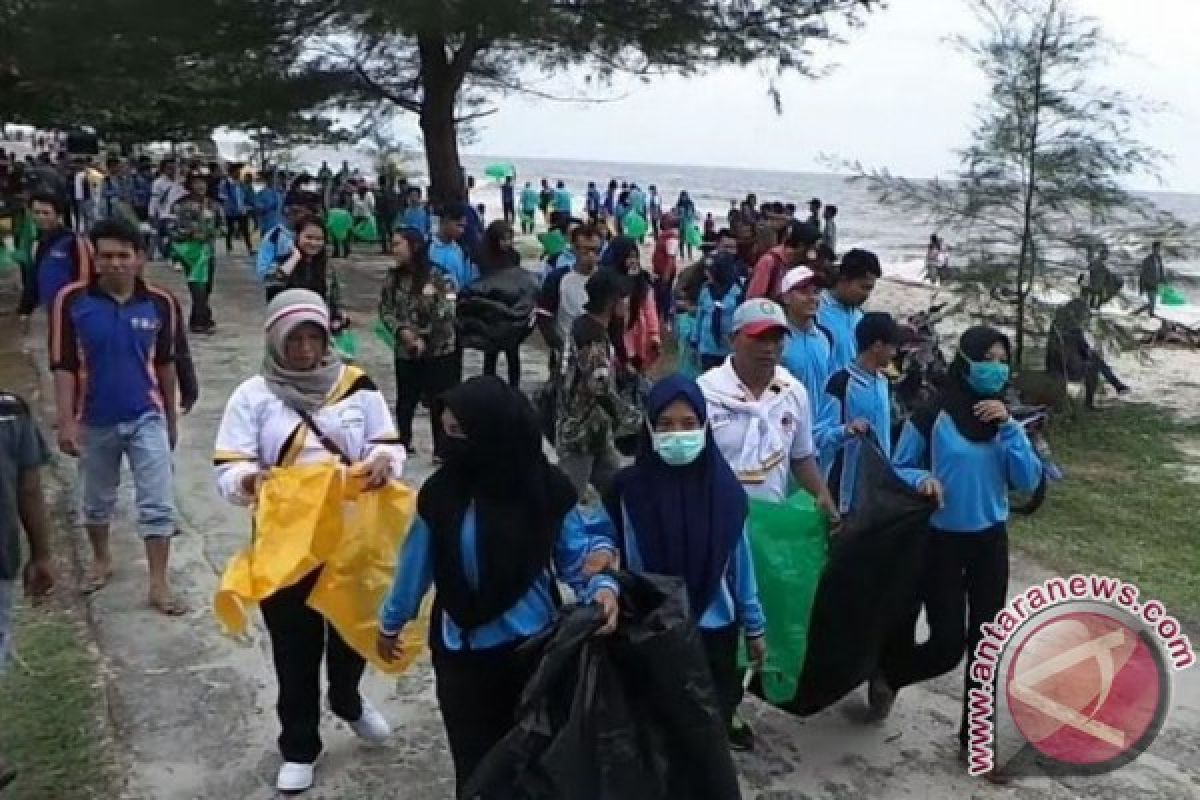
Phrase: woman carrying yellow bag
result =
(306, 408)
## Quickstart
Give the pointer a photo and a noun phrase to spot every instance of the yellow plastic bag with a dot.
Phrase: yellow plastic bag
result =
(315, 515)
(359, 573)
(297, 523)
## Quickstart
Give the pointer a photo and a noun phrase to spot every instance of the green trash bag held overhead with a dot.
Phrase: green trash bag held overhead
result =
(789, 542)
(634, 225)
(1170, 296)
(693, 236)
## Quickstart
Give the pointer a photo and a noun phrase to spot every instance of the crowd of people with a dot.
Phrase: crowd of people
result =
(738, 363)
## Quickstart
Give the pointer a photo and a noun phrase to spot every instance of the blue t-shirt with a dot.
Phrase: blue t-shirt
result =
(562, 201)
(58, 262)
(807, 355)
(531, 615)
(705, 339)
(113, 349)
(976, 476)
(841, 321)
(451, 259)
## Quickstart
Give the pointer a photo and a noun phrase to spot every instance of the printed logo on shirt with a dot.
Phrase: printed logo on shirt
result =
(720, 418)
(144, 323)
(351, 419)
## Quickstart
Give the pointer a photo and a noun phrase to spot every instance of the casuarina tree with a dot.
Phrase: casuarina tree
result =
(448, 61)
(1045, 174)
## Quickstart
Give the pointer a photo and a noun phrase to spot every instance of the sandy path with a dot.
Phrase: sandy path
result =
(195, 709)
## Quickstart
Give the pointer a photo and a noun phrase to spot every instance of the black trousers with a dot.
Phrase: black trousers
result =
(238, 226)
(425, 378)
(721, 649)
(963, 586)
(512, 357)
(200, 316)
(299, 639)
(341, 249)
(383, 223)
(478, 693)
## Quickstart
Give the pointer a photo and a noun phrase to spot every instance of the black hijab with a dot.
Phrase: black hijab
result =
(520, 502)
(959, 399)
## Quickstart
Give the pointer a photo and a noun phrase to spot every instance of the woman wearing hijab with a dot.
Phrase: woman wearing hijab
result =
(641, 340)
(685, 211)
(496, 525)
(681, 511)
(719, 298)
(306, 407)
(977, 452)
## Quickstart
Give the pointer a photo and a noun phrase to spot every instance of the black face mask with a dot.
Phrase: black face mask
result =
(457, 449)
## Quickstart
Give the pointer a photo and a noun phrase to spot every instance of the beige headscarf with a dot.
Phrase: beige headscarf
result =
(301, 390)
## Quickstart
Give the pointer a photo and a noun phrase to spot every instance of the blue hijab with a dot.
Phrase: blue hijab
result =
(688, 520)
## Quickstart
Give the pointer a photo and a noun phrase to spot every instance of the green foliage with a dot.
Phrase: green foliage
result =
(448, 61)
(1043, 179)
(136, 71)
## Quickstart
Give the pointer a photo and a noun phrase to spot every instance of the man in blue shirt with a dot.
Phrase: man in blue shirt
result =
(445, 251)
(841, 306)
(237, 220)
(857, 403)
(807, 353)
(61, 257)
(416, 215)
(112, 350)
(562, 200)
(593, 204)
(268, 204)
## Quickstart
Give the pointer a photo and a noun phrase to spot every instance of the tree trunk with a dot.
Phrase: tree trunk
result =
(441, 79)
(441, 149)
(1025, 260)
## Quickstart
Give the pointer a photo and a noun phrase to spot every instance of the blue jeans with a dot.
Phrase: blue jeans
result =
(145, 443)
(8, 596)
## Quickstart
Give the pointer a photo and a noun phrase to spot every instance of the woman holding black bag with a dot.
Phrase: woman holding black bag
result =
(497, 527)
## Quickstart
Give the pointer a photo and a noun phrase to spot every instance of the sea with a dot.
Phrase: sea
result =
(898, 237)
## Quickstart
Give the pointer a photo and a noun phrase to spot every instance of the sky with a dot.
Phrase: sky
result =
(900, 97)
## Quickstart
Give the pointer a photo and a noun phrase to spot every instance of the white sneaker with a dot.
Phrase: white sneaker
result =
(371, 726)
(295, 777)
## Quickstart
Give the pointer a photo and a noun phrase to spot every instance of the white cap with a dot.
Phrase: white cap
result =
(797, 276)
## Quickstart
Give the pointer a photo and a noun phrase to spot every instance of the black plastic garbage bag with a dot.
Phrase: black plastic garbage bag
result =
(632, 716)
(868, 587)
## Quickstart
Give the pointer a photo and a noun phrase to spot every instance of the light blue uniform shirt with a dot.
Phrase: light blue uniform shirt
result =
(976, 476)
(807, 354)
(451, 259)
(867, 397)
(737, 599)
(706, 343)
(581, 536)
(562, 201)
(840, 320)
(276, 245)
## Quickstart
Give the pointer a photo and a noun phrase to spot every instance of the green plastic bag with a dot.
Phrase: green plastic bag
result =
(196, 258)
(790, 544)
(1170, 296)
(346, 344)
(499, 172)
(635, 225)
(553, 242)
(693, 236)
(365, 230)
(338, 223)
(384, 334)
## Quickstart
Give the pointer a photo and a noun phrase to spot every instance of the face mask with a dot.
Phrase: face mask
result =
(988, 377)
(679, 448)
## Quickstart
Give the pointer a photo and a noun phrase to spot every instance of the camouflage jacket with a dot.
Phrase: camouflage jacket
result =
(429, 314)
(591, 409)
(197, 220)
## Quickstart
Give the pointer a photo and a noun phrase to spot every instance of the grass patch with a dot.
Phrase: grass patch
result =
(52, 727)
(1126, 509)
